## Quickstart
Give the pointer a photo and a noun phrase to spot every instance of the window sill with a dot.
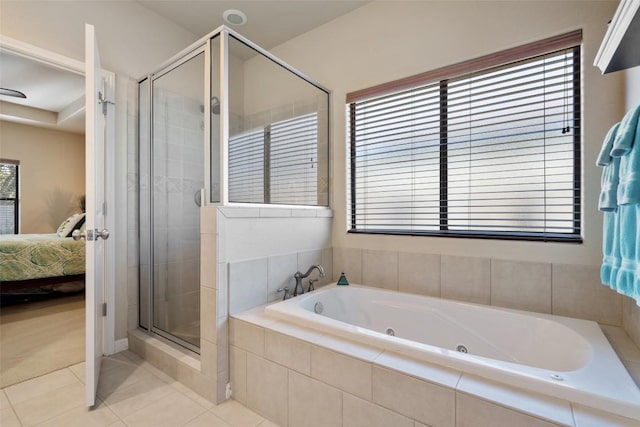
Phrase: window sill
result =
(519, 237)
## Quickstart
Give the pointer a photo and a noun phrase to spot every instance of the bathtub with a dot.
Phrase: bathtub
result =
(556, 356)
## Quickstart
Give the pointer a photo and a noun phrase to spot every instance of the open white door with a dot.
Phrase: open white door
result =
(95, 128)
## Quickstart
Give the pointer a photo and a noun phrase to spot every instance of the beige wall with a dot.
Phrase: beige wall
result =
(51, 173)
(383, 41)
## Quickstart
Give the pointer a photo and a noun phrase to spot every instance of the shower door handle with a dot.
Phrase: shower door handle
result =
(197, 197)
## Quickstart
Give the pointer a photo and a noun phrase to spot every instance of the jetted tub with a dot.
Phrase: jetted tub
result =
(556, 356)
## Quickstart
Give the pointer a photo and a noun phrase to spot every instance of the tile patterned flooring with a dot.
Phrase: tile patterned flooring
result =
(131, 392)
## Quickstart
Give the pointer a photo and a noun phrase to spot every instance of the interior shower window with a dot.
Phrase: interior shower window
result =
(293, 171)
(493, 153)
(246, 167)
(9, 196)
(278, 133)
(276, 164)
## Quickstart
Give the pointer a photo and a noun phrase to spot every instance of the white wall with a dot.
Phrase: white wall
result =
(51, 173)
(383, 41)
(133, 40)
(632, 86)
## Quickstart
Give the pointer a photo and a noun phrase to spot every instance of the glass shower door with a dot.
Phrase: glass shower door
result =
(177, 179)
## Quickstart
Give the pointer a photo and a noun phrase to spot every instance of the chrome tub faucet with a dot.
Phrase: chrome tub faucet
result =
(299, 289)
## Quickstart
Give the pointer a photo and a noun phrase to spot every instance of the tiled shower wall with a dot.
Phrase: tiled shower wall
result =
(178, 174)
(561, 289)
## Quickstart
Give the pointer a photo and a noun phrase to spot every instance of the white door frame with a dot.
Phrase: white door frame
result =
(53, 59)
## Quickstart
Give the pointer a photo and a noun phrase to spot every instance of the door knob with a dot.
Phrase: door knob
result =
(90, 235)
(104, 234)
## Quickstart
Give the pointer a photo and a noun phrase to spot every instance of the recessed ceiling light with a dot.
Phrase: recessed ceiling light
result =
(234, 17)
(12, 92)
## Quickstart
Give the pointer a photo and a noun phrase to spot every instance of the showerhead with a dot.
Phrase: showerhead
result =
(215, 106)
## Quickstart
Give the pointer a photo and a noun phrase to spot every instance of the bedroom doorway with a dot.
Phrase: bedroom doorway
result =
(45, 330)
(42, 308)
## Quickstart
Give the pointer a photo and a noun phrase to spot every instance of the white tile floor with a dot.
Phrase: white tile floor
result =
(131, 392)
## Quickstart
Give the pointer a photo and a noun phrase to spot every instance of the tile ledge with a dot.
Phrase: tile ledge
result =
(273, 211)
(589, 417)
(429, 372)
(536, 405)
(257, 317)
(181, 355)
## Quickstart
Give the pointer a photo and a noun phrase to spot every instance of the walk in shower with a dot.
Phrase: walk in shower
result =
(222, 123)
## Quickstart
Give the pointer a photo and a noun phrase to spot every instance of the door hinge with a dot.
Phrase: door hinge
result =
(102, 100)
(104, 208)
(104, 309)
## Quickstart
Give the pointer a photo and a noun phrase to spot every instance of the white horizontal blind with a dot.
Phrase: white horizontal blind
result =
(277, 164)
(246, 167)
(294, 161)
(8, 196)
(494, 153)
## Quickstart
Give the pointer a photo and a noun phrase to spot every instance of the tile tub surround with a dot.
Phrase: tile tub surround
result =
(255, 282)
(561, 289)
(348, 384)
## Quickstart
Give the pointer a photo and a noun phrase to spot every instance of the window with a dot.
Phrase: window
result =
(277, 164)
(489, 148)
(9, 196)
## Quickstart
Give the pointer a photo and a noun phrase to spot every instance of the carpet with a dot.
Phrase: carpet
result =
(40, 337)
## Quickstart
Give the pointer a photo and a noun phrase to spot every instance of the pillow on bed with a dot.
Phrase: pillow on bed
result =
(68, 225)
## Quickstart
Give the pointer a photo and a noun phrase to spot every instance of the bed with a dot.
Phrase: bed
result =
(36, 260)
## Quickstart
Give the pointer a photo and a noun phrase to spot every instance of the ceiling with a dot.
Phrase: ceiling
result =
(55, 98)
(269, 22)
(26, 75)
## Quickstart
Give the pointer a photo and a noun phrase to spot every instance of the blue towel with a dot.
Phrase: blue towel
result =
(627, 275)
(604, 158)
(621, 233)
(626, 133)
(629, 175)
(609, 184)
(611, 250)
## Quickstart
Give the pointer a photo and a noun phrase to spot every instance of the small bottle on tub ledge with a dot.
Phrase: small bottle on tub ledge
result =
(343, 280)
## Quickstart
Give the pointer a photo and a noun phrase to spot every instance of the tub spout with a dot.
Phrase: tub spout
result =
(299, 290)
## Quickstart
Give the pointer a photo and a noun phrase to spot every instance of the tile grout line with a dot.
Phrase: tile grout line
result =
(11, 406)
(74, 374)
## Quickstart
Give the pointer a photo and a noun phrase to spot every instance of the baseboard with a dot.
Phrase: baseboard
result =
(121, 345)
